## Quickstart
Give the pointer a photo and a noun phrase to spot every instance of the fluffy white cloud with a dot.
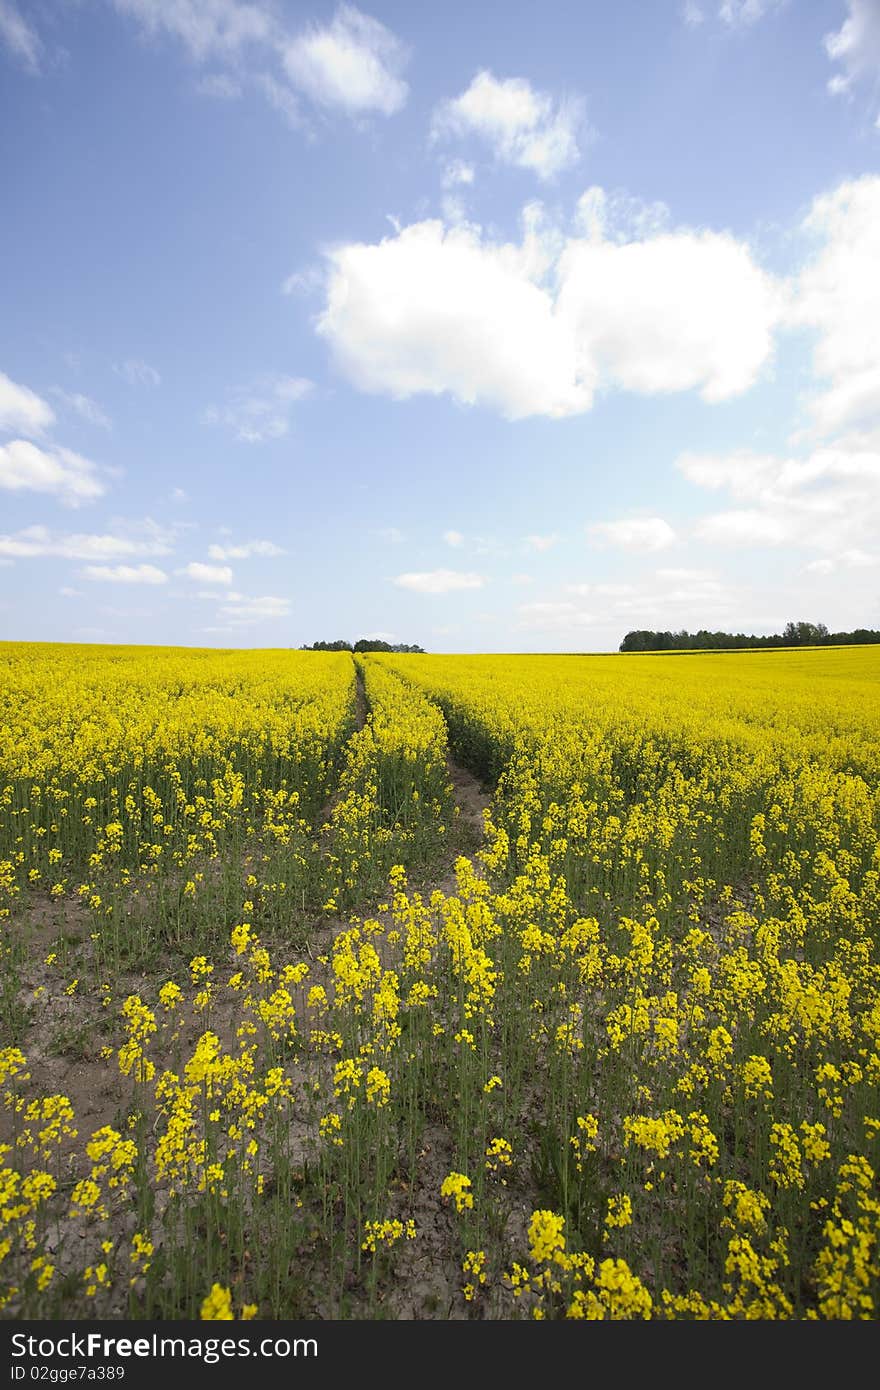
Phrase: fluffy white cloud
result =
(22, 409)
(354, 63)
(535, 328)
(37, 541)
(454, 538)
(432, 311)
(674, 311)
(540, 543)
(856, 45)
(85, 407)
(137, 373)
(244, 552)
(262, 410)
(59, 472)
(439, 581)
(633, 533)
(126, 574)
(837, 294)
(19, 36)
(522, 127)
(208, 574)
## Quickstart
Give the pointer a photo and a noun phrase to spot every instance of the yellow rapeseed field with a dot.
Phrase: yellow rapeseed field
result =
(336, 1054)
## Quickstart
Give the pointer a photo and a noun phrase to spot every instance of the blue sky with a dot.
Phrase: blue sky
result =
(489, 327)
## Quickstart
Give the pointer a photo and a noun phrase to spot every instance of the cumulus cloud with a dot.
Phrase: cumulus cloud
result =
(540, 543)
(837, 295)
(521, 126)
(855, 45)
(207, 574)
(536, 328)
(244, 552)
(59, 472)
(633, 533)
(439, 581)
(262, 410)
(454, 538)
(353, 63)
(126, 574)
(22, 409)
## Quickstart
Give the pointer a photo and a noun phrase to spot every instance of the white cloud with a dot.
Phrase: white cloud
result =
(454, 538)
(432, 311)
(22, 409)
(85, 407)
(745, 12)
(838, 295)
(354, 63)
(633, 533)
(254, 610)
(217, 29)
(439, 581)
(540, 543)
(178, 495)
(671, 311)
(691, 14)
(126, 574)
(37, 541)
(262, 410)
(745, 528)
(828, 501)
(244, 552)
(207, 574)
(137, 373)
(19, 36)
(522, 127)
(536, 328)
(66, 592)
(59, 472)
(856, 45)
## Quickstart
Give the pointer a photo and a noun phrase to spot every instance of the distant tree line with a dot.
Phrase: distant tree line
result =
(363, 644)
(794, 635)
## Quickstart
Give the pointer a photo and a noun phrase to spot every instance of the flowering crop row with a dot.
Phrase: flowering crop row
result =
(624, 1065)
